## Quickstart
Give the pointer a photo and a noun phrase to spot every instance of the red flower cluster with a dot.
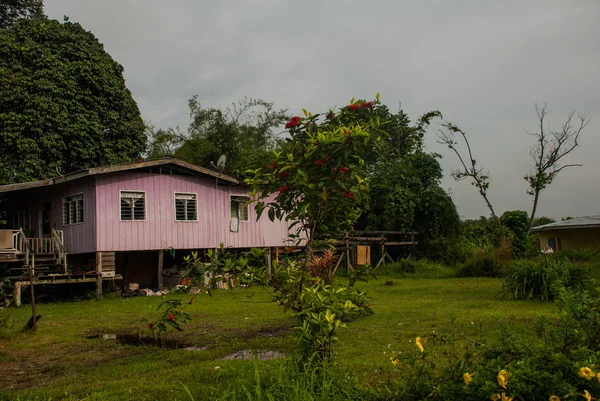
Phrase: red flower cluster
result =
(367, 105)
(349, 195)
(354, 106)
(344, 169)
(293, 122)
(283, 174)
(171, 317)
(272, 165)
(283, 188)
(319, 162)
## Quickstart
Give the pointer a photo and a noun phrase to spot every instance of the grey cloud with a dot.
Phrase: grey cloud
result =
(484, 64)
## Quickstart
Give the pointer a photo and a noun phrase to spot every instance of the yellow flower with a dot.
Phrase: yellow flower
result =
(554, 398)
(598, 376)
(503, 378)
(468, 378)
(394, 361)
(495, 397)
(505, 398)
(586, 373)
(419, 345)
(587, 395)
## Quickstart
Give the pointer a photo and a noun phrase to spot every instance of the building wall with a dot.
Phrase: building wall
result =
(161, 231)
(574, 238)
(79, 238)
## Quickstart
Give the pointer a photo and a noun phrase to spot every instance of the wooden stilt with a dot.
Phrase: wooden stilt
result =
(17, 295)
(269, 263)
(161, 257)
(31, 271)
(98, 275)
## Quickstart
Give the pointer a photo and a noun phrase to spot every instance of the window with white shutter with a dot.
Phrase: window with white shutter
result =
(239, 207)
(133, 205)
(186, 207)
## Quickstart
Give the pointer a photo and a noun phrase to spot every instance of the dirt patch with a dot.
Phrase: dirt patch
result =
(261, 355)
(132, 339)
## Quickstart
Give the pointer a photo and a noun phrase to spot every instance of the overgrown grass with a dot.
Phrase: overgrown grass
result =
(59, 363)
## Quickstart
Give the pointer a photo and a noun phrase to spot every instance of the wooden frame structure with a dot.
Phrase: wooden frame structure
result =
(351, 240)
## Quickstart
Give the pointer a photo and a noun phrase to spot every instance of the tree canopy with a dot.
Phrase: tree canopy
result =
(13, 10)
(243, 132)
(64, 105)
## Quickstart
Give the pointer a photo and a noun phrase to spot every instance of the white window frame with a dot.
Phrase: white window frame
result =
(195, 199)
(69, 200)
(239, 206)
(121, 192)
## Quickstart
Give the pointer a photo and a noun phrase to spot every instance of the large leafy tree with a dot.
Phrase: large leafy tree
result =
(244, 132)
(404, 179)
(13, 10)
(63, 103)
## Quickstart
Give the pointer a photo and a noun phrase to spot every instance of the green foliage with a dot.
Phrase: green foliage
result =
(63, 103)
(320, 307)
(171, 317)
(579, 255)
(289, 382)
(406, 196)
(12, 11)
(451, 251)
(517, 224)
(579, 325)
(417, 269)
(560, 365)
(543, 279)
(483, 263)
(540, 221)
(243, 132)
(320, 174)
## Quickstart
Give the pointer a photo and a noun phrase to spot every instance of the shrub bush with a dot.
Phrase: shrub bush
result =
(483, 264)
(579, 255)
(542, 279)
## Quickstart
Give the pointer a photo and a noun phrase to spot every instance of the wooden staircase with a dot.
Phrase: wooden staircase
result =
(30, 257)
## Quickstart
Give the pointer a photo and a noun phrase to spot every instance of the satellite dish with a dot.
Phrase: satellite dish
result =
(221, 162)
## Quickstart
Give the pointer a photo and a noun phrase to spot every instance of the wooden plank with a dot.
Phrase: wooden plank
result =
(401, 243)
(161, 256)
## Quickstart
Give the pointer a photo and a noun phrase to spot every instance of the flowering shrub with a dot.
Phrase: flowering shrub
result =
(318, 183)
(319, 177)
(565, 365)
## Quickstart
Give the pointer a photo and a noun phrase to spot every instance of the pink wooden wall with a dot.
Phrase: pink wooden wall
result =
(160, 230)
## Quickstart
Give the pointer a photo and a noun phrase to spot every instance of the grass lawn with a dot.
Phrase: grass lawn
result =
(59, 362)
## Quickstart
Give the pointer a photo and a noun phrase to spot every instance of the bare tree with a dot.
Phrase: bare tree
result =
(549, 150)
(469, 169)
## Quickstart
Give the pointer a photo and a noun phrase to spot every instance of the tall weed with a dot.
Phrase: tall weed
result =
(542, 279)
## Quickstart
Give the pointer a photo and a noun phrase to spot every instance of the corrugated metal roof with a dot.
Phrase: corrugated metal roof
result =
(176, 163)
(579, 222)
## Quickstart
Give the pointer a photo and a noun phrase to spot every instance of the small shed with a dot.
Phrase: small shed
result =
(578, 233)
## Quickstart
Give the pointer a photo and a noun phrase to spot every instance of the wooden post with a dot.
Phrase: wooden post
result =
(34, 328)
(98, 275)
(413, 250)
(17, 295)
(348, 265)
(269, 262)
(161, 257)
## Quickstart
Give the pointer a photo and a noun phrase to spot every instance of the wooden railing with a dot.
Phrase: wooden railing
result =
(58, 243)
(21, 244)
(41, 245)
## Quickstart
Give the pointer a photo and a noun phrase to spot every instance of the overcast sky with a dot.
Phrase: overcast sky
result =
(483, 64)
